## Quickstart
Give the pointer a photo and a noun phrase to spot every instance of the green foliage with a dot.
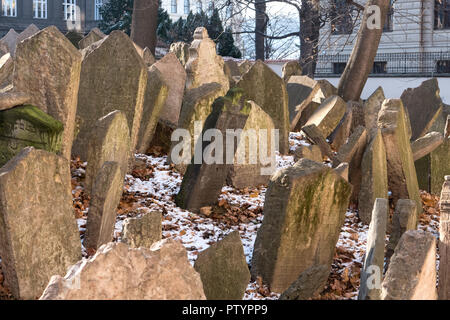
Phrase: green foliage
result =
(117, 15)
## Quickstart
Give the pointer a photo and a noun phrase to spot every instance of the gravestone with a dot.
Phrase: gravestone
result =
(444, 241)
(6, 69)
(412, 272)
(423, 105)
(181, 51)
(301, 92)
(374, 257)
(143, 231)
(38, 231)
(303, 214)
(29, 31)
(25, 126)
(291, 68)
(394, 125)
(371, 108)
(426, 144)
(255, 143)
(203, 181)
(10, 98)
(309, 283)
(105, 197)
(374, 182)
(93, 36)
(116, 59)
(154, 100)
(342, 132)
(328, 115)
(204, 65)
(313, 134)
(47, 67)
(311, 152)
(109, 141)
(244, 66)
(9, 41)
(268, 90)
(223, 269)
(129, 274)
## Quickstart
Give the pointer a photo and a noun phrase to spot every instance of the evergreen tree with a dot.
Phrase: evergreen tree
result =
(214, 26)
(116, 15)
(226, 47)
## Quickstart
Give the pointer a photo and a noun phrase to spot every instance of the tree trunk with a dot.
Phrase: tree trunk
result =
(260, 29)
(309, 36)
(363, 55)
(145, 23)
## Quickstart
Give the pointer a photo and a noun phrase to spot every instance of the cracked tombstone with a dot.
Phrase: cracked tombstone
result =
(38, 233)
(161, 272)
(223, 269)
(372, 271)
(303, 214)
(50, 75)
(205, 178)
(114, 58)
(412, 271)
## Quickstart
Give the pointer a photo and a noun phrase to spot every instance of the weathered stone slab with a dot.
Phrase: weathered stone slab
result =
(358, 115)
(105, 197)
(6, 68)
(412, 272)
(129, 274)
(309, 283)
(109, 141)
(393, 122)
(405, 218)
(38, 232)
(374, 181)
(426, 144)
(311, 152)
(203, 181)
(174, 77)
(342, 170)
(291, 68)
(268, 90)
(143, 231)
(204, 65)
(25, 126)
(372, 107)
(29, 31)
(232, 71)
(197, 105)
(154, 101)
(47, 67)
(315, 136)
(11, 98)
(301, 92)
(444, 241)
(10, 40)
(116, 59)
(342, 132)
(223, 269)
(93, 36)
(247, 169)
(303, 213)
(181, 51)
(423, 105)
(372, 272)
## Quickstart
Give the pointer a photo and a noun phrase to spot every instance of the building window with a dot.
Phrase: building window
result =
(443, 66)
(441, 14)
(379, 67)
(199, 6)
(40, 9)
(97, 14)
(341, 17)
(338, 67)
(69, 7)
(173, 6)
(187, 6)
(9, 8)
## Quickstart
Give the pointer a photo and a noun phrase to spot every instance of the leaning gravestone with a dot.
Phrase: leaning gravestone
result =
(39, 234)
(394, 125)
(268, 90)
(109, 141)
(154, 101)
(143, 231)
(423, 105)
(255, 144)
(105, 197)
(204, 180)
(303, 214)
(412, 272)
(25, 126)
(426, 144)
(223, 269)
(372, 272)
(47, 67)
(129, 274)
(374, 181)
(204, 65)
(340, 135)
(93, 36)
(114, 58)
(328, 115)
(9, 41)
(197, 105)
